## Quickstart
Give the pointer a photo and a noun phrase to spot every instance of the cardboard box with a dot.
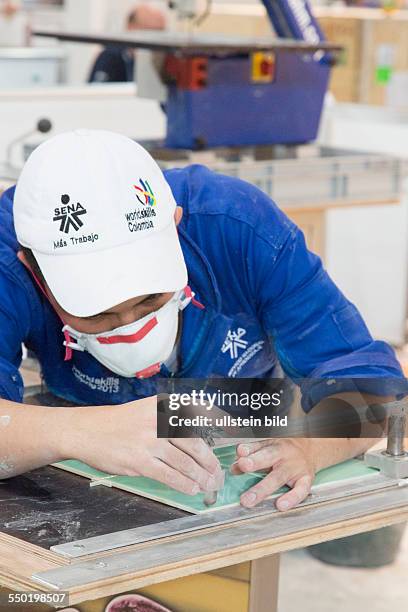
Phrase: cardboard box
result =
(345, 84)
(376, 46)
(345, 32)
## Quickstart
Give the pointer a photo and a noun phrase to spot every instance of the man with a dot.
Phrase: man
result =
(8, 8)
(98, 282)
(117, 64)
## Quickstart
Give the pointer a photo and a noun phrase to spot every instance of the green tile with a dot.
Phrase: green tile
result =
(234, 485)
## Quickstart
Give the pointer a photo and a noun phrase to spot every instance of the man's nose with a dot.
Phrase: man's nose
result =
(126, 318)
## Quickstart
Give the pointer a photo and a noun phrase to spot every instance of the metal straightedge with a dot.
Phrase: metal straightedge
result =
(231, 538)
(189, 524)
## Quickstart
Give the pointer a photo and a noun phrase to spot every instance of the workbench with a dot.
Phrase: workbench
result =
(136, 543)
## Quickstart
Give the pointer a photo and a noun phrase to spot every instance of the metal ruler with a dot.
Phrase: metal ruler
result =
(138, 535)
(235, 539)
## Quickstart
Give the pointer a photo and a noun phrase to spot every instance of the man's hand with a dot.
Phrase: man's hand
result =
(288, 462)
(122, 440)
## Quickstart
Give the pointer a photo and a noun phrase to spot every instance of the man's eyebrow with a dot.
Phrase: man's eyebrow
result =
(152, 296)
(148, 298)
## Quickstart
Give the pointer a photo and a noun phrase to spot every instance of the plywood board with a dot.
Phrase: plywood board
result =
(230, 494)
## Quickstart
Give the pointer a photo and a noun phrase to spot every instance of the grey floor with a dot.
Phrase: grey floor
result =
(308, 585)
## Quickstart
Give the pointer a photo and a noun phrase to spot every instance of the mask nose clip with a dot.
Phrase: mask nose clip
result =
(131, 338)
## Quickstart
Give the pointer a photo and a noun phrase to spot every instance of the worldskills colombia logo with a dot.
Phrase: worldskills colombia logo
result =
(142, 219)
(144, 193)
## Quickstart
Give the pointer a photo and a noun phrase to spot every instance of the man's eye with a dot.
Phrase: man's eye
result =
(97, 317)
(152, 298)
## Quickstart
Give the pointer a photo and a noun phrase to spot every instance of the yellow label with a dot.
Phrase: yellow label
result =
(263, 67)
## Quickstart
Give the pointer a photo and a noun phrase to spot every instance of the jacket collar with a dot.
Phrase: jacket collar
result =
(204, 331)
(200, 275)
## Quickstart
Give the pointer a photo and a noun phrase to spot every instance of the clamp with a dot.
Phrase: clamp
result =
(393, 461)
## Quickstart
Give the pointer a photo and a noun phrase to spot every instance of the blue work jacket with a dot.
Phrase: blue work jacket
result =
(268, 303)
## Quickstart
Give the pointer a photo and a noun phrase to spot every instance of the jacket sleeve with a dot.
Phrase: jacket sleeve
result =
(319, 337)
(14, 328)
(317, 333)
(109, 67)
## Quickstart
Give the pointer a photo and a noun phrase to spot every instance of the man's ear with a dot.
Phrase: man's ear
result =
(178, 214)
(22, 258)
(41, 283)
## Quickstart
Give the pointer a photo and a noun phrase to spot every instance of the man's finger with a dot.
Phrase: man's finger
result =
(235, 470)
(186, 465)
(270, 484)
(248, 448)
(262, 459)
(299, 493)
(199, 451)
(161, 472)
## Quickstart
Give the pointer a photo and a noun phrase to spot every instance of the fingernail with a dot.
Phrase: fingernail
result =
(195, 490)
(245, 449)
(283, 505)
(249, 499)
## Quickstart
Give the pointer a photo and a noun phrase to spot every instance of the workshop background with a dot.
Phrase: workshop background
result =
(353, 208)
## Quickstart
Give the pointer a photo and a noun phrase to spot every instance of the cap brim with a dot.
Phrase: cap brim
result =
(89, 283)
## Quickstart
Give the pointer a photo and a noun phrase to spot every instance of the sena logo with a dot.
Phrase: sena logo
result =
(234, 342)
(145, 194)
(69, 215)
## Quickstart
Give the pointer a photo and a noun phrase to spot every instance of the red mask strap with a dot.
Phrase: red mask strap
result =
(35, 277)
(189, 294)
(68, 350)
(148, 372)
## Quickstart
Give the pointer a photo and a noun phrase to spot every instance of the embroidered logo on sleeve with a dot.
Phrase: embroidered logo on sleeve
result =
(234, 341)
(238, 349)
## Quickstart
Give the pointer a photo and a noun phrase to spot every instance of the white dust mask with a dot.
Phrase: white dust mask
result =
(140, 348)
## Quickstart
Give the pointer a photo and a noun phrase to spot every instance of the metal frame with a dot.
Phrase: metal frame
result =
(392, 462)
(242, 540)
(186, 44)
(217, 518)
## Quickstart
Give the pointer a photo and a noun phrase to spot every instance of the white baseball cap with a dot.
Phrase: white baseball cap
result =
(98, 215)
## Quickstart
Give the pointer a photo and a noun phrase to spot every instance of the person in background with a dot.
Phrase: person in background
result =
(8, 8)
(117, 64)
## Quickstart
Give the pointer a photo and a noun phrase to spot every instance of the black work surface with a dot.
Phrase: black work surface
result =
(48, 507)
